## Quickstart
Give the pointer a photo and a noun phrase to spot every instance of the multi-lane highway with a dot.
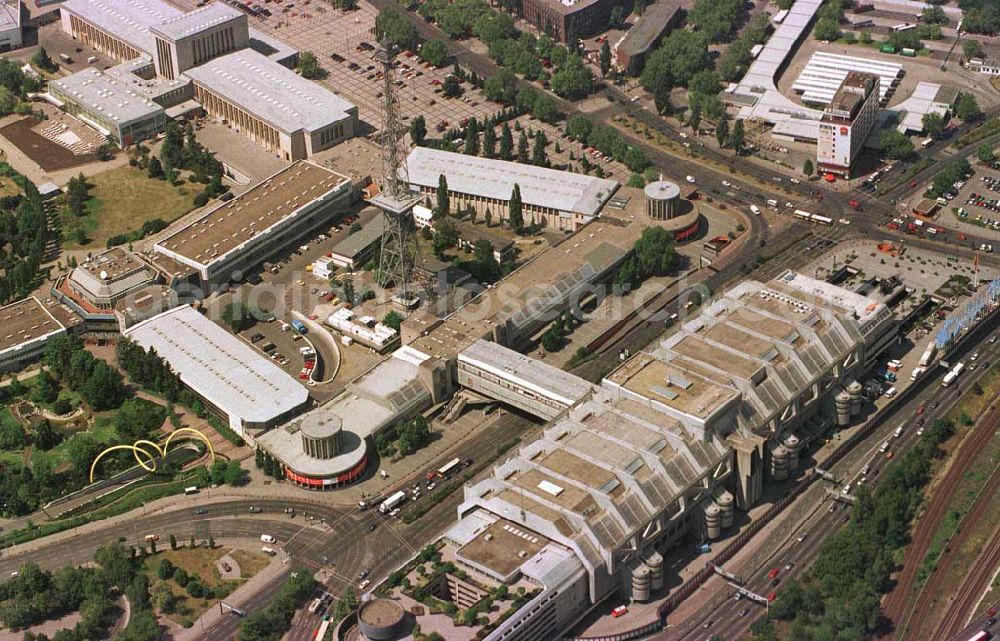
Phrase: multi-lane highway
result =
(731, 618)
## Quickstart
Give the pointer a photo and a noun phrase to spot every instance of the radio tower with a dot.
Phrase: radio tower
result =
(395, 198)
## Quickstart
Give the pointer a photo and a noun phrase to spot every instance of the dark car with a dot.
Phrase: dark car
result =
(255, 510)
(200, 511)
(256, 338)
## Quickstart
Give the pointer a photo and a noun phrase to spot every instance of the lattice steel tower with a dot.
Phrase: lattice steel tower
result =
(395, 198)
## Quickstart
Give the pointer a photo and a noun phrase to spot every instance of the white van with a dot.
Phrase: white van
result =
(889, 393)
(898, 432)
(267, 538)
(885, 446)
(772, 203)
(268, 551)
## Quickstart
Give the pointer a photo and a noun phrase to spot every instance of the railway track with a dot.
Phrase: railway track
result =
(898, 605)
(978, 579)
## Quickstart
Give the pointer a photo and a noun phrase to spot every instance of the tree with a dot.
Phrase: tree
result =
(236, 316)
(45, 389)
(489, 142)
(443, 198)
(972, 49)
(807, 167)
(737, 139)
(605, 57)
(933, 15)
(76, 195)
(418, 130)
(471, 138)
(235, 474)
(46, 437)
(967, 107)
(933, 124)
(522, 148)
(826, 29)
(42, 60)
(722, 132)
(516, 218)
(681, 55)
(538, 156)
(985, 154)
(434, 52)
(451, 88)
(895, 145)
(173, 542)
(393, 319)
(165, 569)
(394, 26)
(308, 66)
(163, 598)
(506, 143)
(445, 236)
(572, 80)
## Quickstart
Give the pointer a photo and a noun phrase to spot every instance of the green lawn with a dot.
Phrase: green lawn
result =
(123, 199)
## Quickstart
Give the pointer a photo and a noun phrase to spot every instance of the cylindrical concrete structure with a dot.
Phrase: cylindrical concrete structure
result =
(641, 581)
(662, 200)
(794, 446)
(855, 389)
(779, 463)
(713, 521)
(726, 501)
(843, 404)
(382, 620)
(321, 435)
(655, 564)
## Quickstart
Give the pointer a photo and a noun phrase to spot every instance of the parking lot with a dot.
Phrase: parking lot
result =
(344, 45)
(977, 202)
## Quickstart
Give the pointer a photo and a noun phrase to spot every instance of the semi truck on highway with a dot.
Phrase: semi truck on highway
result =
(950, 377)
(392, 502)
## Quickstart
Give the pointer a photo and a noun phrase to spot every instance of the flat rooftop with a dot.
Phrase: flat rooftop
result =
(361, 240)
(10, 14)
(490, 178)
(113, 264)
(108, 96)
(25, 320)
(285, 442)
(649, 27)
(192, 22)
(539, 377)
(151, 88)
(128, 20)
(671, 386)
(219, 366)
(271, 91)
(230, 225)
(503, 547)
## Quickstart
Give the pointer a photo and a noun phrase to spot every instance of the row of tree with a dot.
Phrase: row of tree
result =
(146, 369)
(273, 621)
(100, 385)
(23, 235)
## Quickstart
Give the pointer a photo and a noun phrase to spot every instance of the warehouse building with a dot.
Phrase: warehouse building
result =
(555, 199)
(237, 383)
(358, 248)
(240, 234)
(25, 328)
(109, 106)
(272, 105)
(823, 77)
(238, 74)
(847, 121)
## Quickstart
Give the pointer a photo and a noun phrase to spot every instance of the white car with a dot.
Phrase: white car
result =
(844, 221)
(726, 183)
(795, 181)
(690, 179)
(975, 357)
(847, 489)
